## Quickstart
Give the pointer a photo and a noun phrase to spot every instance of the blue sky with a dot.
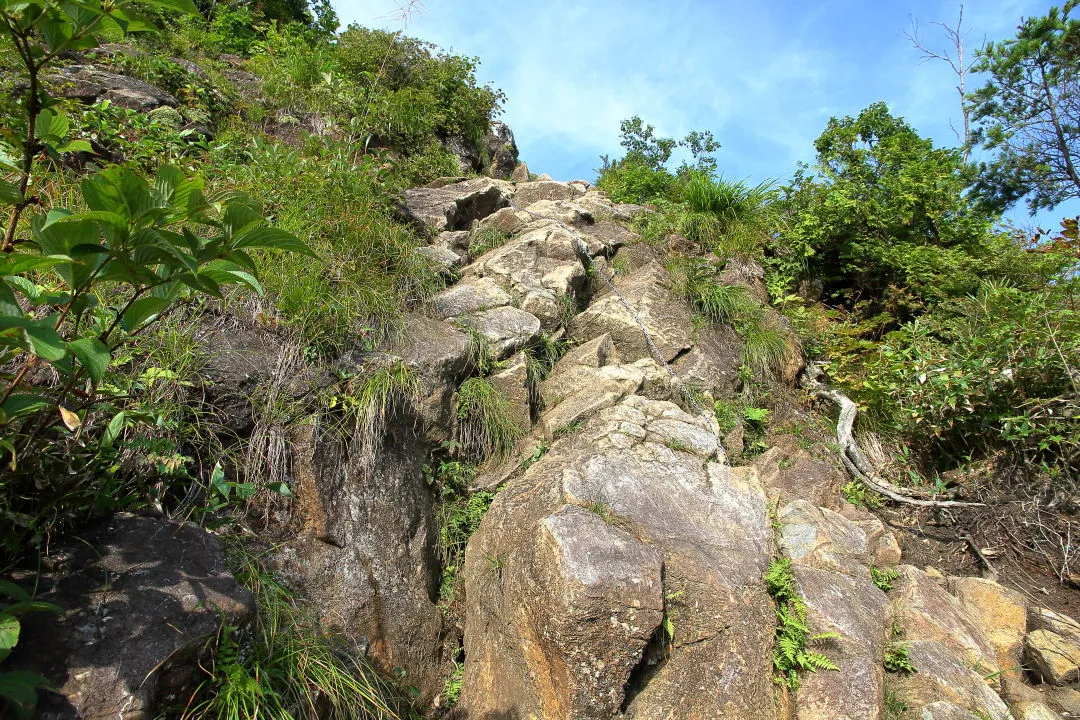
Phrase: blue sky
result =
(763, 77)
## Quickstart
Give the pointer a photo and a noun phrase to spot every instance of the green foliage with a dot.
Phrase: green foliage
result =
(1028, 112)
(896, 658)
(458, 512)
(726, 216)
(860, 496)
(626, 182)
(484, 239)
(485, 423)
(793, 654)
(366, 271)
(283, 666)
(883, 577)
(894, 707)
(886, 222)
(18, 689)
(452, 686)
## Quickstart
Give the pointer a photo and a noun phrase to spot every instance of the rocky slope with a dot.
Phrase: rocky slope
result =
(619, 570)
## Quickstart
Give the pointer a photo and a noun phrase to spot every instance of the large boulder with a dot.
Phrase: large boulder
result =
(530, 192)
(141, 596)
(89, 84)
(643, 306)
(943, 676)
(622, 570)
(1001, 613)
(1054, 658)
(506, 329)
(469, 296)
(858, 612)
(926, 611)
(455, 206)
(819, 537)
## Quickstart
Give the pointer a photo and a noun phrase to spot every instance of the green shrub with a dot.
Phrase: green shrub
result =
(629, 182)
(726, 216)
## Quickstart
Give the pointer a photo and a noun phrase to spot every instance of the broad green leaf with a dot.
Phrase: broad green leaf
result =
(142, 310)
(44, 342)
(20, 608)
(18, 263)
(9, 193)
(51, 125)
(21, 688)
(9, 305)
(22, 404)
(75, 146)
(115, 427)
(9, 631)
(93, 355)
(273, 238)
(13, 591)
(9, 159)
(281, 489)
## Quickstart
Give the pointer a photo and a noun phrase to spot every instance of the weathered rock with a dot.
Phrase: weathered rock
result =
(1065, 699)
(508, 221)
(605, 238)
(1041, 618)
(513, 383)
(361, 545)
(598, 203)
(541, 268)
(818, 537)
(858, 612)
(469, 296)
(942, 675)
(521, 173)
(442, 356)
(927, 611)
(88, 84)
(644, 468)
(1001, 613)
(745, 272)
(456, 206)
(1034, 711)
(598, 352)
(576, 395)
(791, 473)
(456, 241)
(713, 363)
(507, 329)
(442, 259)
(240, 362)
(942, 710)
(562, 211)
(530, 192)
(502, 151)
(140, 597)
(1055, 658)
(648, 294)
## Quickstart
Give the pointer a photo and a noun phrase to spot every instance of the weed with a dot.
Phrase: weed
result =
(567, 429)
(676, 444)
(538, 452)
(894, 707)
(283, 666)
(896, 658)
(485, 239)
(883, 577)
(792, 654)
(544, 354)
(727, 415)
(485, 423)
(452, 686)
(860, 496)
(458, 512)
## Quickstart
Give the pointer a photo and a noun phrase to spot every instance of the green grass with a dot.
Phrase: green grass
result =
(485, 423)
(894, 706)
(792, 654)
(727, 216)
(766, 346)
(486, 239)
(283, 667)
(458, 512)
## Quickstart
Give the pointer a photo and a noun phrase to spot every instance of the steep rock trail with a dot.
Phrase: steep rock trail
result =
(620, 574)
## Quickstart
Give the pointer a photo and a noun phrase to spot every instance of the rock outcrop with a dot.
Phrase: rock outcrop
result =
(141, 596)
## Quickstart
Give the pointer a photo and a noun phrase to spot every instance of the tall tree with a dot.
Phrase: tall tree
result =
(1029, 111)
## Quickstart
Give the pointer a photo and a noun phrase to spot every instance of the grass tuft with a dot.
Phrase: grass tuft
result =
(485, 423)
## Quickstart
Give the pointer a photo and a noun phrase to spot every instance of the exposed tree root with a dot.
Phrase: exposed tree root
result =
(853, 458)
